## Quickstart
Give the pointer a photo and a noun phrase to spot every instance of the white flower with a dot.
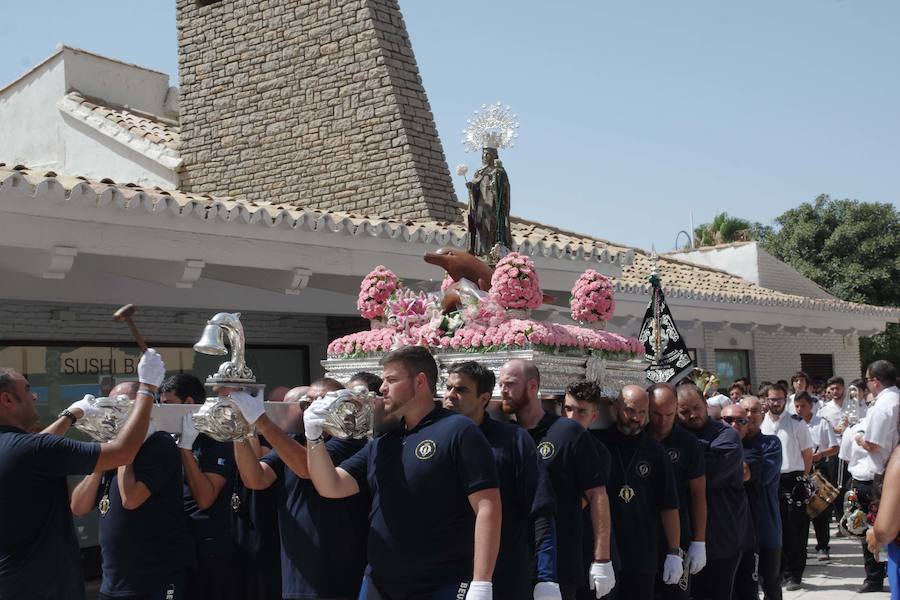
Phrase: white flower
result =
(461, 170)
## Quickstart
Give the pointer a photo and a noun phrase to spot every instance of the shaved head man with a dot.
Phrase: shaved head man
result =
(576, 471)
(689, 468)
(729, 526)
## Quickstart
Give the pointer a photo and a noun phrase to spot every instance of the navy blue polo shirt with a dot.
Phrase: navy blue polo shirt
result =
(575, 466)
(641, 463)
(323, 541)
(211, 528)
(39, 557)
(524, 495)
(686, 457)
(422, 525)
(768, 517)
(728, 525)
(141, 548)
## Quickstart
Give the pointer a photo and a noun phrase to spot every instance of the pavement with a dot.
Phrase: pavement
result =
(839, 578)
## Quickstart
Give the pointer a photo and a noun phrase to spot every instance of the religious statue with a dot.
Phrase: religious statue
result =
(488, 221)
(489, 206)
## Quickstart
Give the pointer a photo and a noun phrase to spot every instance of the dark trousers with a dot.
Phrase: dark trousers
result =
(769, 571)
(746, 578)
(716, 580)
(823, 532)
(794, 528)
(633, 586)
(215, 578)
(172, 589)
(875, 571)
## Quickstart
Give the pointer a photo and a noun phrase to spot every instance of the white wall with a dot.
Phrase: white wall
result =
(738, 260)
(117, 83)
(30, 124)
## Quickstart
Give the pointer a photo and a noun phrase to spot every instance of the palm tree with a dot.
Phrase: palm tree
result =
(722, 230)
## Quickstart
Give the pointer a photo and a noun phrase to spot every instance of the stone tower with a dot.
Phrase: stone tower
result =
(316, 103)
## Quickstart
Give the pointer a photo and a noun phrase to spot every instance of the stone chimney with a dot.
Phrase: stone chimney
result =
(316, 103)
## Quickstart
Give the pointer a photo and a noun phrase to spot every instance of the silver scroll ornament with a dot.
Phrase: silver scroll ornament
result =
(351, 413)
(219, 417)
(107, 418)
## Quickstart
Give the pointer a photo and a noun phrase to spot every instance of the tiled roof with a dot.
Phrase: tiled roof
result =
(150, 135)
(680, 279)
(528, 237)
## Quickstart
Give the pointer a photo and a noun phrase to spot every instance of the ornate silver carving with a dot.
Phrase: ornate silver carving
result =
(351, 414)
(111, 415)
(221, 420)
(557, 370)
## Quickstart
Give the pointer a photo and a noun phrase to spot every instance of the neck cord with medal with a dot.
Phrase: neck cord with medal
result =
(103, 505)
(626, 492)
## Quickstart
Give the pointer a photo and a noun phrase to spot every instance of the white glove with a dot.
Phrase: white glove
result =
(251, 407)
(85, 405)
(151, 369)
(673, 568)
(547, 590)
(601, 578)
(314, 418)
(189, 433)
(695, 559)
(480, 590)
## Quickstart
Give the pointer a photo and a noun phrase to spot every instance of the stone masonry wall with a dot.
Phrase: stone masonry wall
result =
(316, 103)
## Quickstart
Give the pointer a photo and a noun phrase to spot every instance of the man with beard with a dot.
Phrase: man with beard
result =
(644, 494)
(689, 468)
(323, 541)
(764, 509)
(728, 527)
(145, 545)
(576, 472)
(525, 492)
(796, 451)
(435, 519)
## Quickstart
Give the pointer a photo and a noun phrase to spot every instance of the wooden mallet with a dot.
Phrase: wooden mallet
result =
(124, 314)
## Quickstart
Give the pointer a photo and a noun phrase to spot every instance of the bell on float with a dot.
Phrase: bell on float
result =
(212, 341)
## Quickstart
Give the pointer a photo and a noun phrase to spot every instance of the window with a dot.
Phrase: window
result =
(819, 367)
(61, 374)
(731, 364)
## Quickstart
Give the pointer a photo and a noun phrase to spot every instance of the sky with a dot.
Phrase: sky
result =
(634, 114)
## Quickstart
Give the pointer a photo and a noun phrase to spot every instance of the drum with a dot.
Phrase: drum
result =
(823, 495)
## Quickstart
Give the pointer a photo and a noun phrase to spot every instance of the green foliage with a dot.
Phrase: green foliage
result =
(722, 230)
(850, 248)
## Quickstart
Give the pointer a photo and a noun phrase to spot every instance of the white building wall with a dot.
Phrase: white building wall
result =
(20, 322)
(777, 355)
(776, 275)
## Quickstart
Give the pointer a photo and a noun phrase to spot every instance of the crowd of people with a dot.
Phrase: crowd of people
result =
(659, 492)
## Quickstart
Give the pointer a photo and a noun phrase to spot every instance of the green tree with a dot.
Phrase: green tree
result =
(850, 248)
(723, 230)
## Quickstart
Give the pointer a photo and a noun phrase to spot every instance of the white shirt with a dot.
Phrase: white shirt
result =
(883, 424)
(816, 404)
(858, 461)
(835, 414)
(794, 436)
(822, 434)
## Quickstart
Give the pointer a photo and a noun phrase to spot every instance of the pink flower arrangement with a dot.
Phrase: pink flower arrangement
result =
(446, 283)
(592, 298)
(362, 343)
(405, 308)
(515, 283)
(374, 291)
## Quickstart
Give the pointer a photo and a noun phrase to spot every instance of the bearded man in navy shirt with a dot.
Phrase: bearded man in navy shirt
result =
(576, 472)
(39, 556)
(435, 518)
(525, 490)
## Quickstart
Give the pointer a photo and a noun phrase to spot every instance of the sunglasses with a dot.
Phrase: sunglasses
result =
(738, 420)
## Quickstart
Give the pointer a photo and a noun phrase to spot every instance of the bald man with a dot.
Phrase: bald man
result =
(277, 394)
(576, 471)
(145, 544)
(689, 468)
(728, 526)
(643, 495)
